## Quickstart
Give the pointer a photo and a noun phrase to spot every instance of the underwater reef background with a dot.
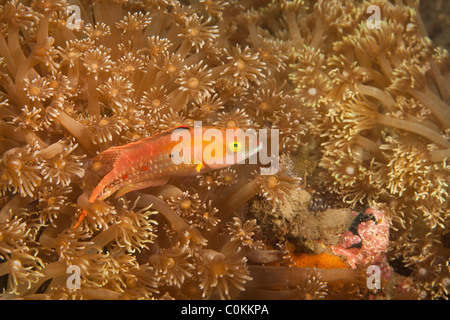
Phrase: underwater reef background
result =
(357, 89)
(436, 17)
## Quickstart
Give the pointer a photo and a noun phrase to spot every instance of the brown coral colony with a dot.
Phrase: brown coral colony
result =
(362, 109)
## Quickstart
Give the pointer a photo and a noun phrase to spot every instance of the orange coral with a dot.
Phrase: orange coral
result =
(322, 261)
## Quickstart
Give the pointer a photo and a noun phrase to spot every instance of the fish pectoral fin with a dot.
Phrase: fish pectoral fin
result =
(141, 185)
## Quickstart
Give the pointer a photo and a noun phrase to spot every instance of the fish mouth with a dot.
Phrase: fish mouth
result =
(258, 148)
(251, 153)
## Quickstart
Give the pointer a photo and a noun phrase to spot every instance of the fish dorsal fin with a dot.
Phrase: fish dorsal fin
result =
(155, 136)
(170, 131)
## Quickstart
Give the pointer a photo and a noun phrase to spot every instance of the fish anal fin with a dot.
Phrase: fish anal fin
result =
(141, 185)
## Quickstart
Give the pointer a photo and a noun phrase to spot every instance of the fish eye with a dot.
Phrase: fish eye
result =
(235, 146)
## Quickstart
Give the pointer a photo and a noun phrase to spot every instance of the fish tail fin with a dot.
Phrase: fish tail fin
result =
(98, 193)
(80, 219)
(101, 191)
(107, 159)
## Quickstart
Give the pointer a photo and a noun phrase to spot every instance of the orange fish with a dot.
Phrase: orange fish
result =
(154, 160)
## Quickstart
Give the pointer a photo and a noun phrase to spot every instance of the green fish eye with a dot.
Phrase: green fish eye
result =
(235, 146)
